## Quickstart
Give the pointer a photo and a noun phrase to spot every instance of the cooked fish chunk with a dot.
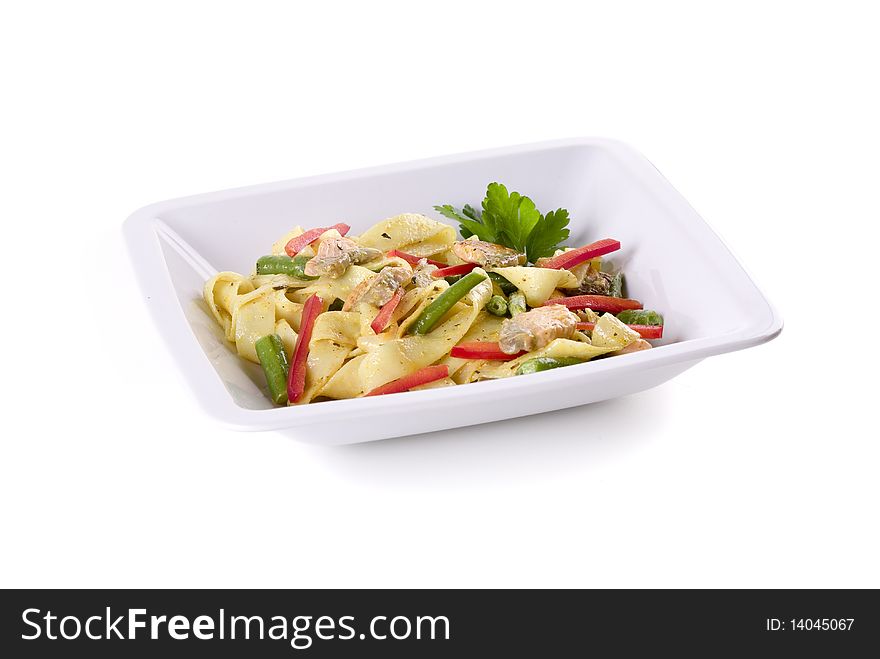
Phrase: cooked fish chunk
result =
(335, 255)
(534, 329)
(487, 255)
(379, 289)
(383, 286)
(587, 315)
(356, 294)
(595, 283)
(421, 276)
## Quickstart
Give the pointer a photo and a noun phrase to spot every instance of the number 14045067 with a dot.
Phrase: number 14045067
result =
(810, 624)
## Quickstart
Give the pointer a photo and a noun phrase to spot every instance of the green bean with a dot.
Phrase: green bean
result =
(451, 279)
(497, 306)
(640, 317)
(506, 287)
(516, 303)
(432, 314)
(283, 265)
(273, 359)
(616, 289)
(546, 363)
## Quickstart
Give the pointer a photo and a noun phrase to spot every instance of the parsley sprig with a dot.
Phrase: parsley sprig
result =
(511, 219)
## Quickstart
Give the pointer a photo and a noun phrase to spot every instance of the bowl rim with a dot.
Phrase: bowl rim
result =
(142, 231)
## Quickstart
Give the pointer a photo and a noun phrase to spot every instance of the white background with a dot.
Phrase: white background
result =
(757, 468)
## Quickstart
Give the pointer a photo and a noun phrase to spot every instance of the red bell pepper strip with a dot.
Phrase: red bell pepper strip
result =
(645, 331)
(413, 260)
(482, 350)
(453, 270)
(407, 382)
(380, 322)
(597, 303)
(295, 245)
(296, 382)
(573, 257)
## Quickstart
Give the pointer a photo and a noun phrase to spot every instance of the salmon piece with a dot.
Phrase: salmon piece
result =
(336, 255)
(356, 294)
(532, 330)
(487, 255)
(595, 283)
(384, 285)
(380, 289)
(421, 276)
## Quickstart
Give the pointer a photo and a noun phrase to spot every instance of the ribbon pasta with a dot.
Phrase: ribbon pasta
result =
(537, 284)
(361, 344)
(410, 232)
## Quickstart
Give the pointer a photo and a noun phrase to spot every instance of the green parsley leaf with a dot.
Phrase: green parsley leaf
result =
(514, 215)
(467, 225)
(511, 219)
(448, 210)
(468, 210)
(548, 234)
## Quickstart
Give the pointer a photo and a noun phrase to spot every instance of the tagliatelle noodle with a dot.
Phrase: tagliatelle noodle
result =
(537, 284)
(409, 353)
(220, 292)
(411, 233)
(253, 316)
(333, 338)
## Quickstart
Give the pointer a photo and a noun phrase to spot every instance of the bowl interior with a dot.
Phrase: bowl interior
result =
(672, 260)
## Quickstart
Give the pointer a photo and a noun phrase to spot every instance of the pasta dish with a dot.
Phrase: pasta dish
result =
(409, 304)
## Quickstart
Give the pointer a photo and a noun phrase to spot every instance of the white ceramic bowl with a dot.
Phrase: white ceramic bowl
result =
(673, 262)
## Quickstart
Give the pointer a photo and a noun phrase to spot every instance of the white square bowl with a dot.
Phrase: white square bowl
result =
(674, 263)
